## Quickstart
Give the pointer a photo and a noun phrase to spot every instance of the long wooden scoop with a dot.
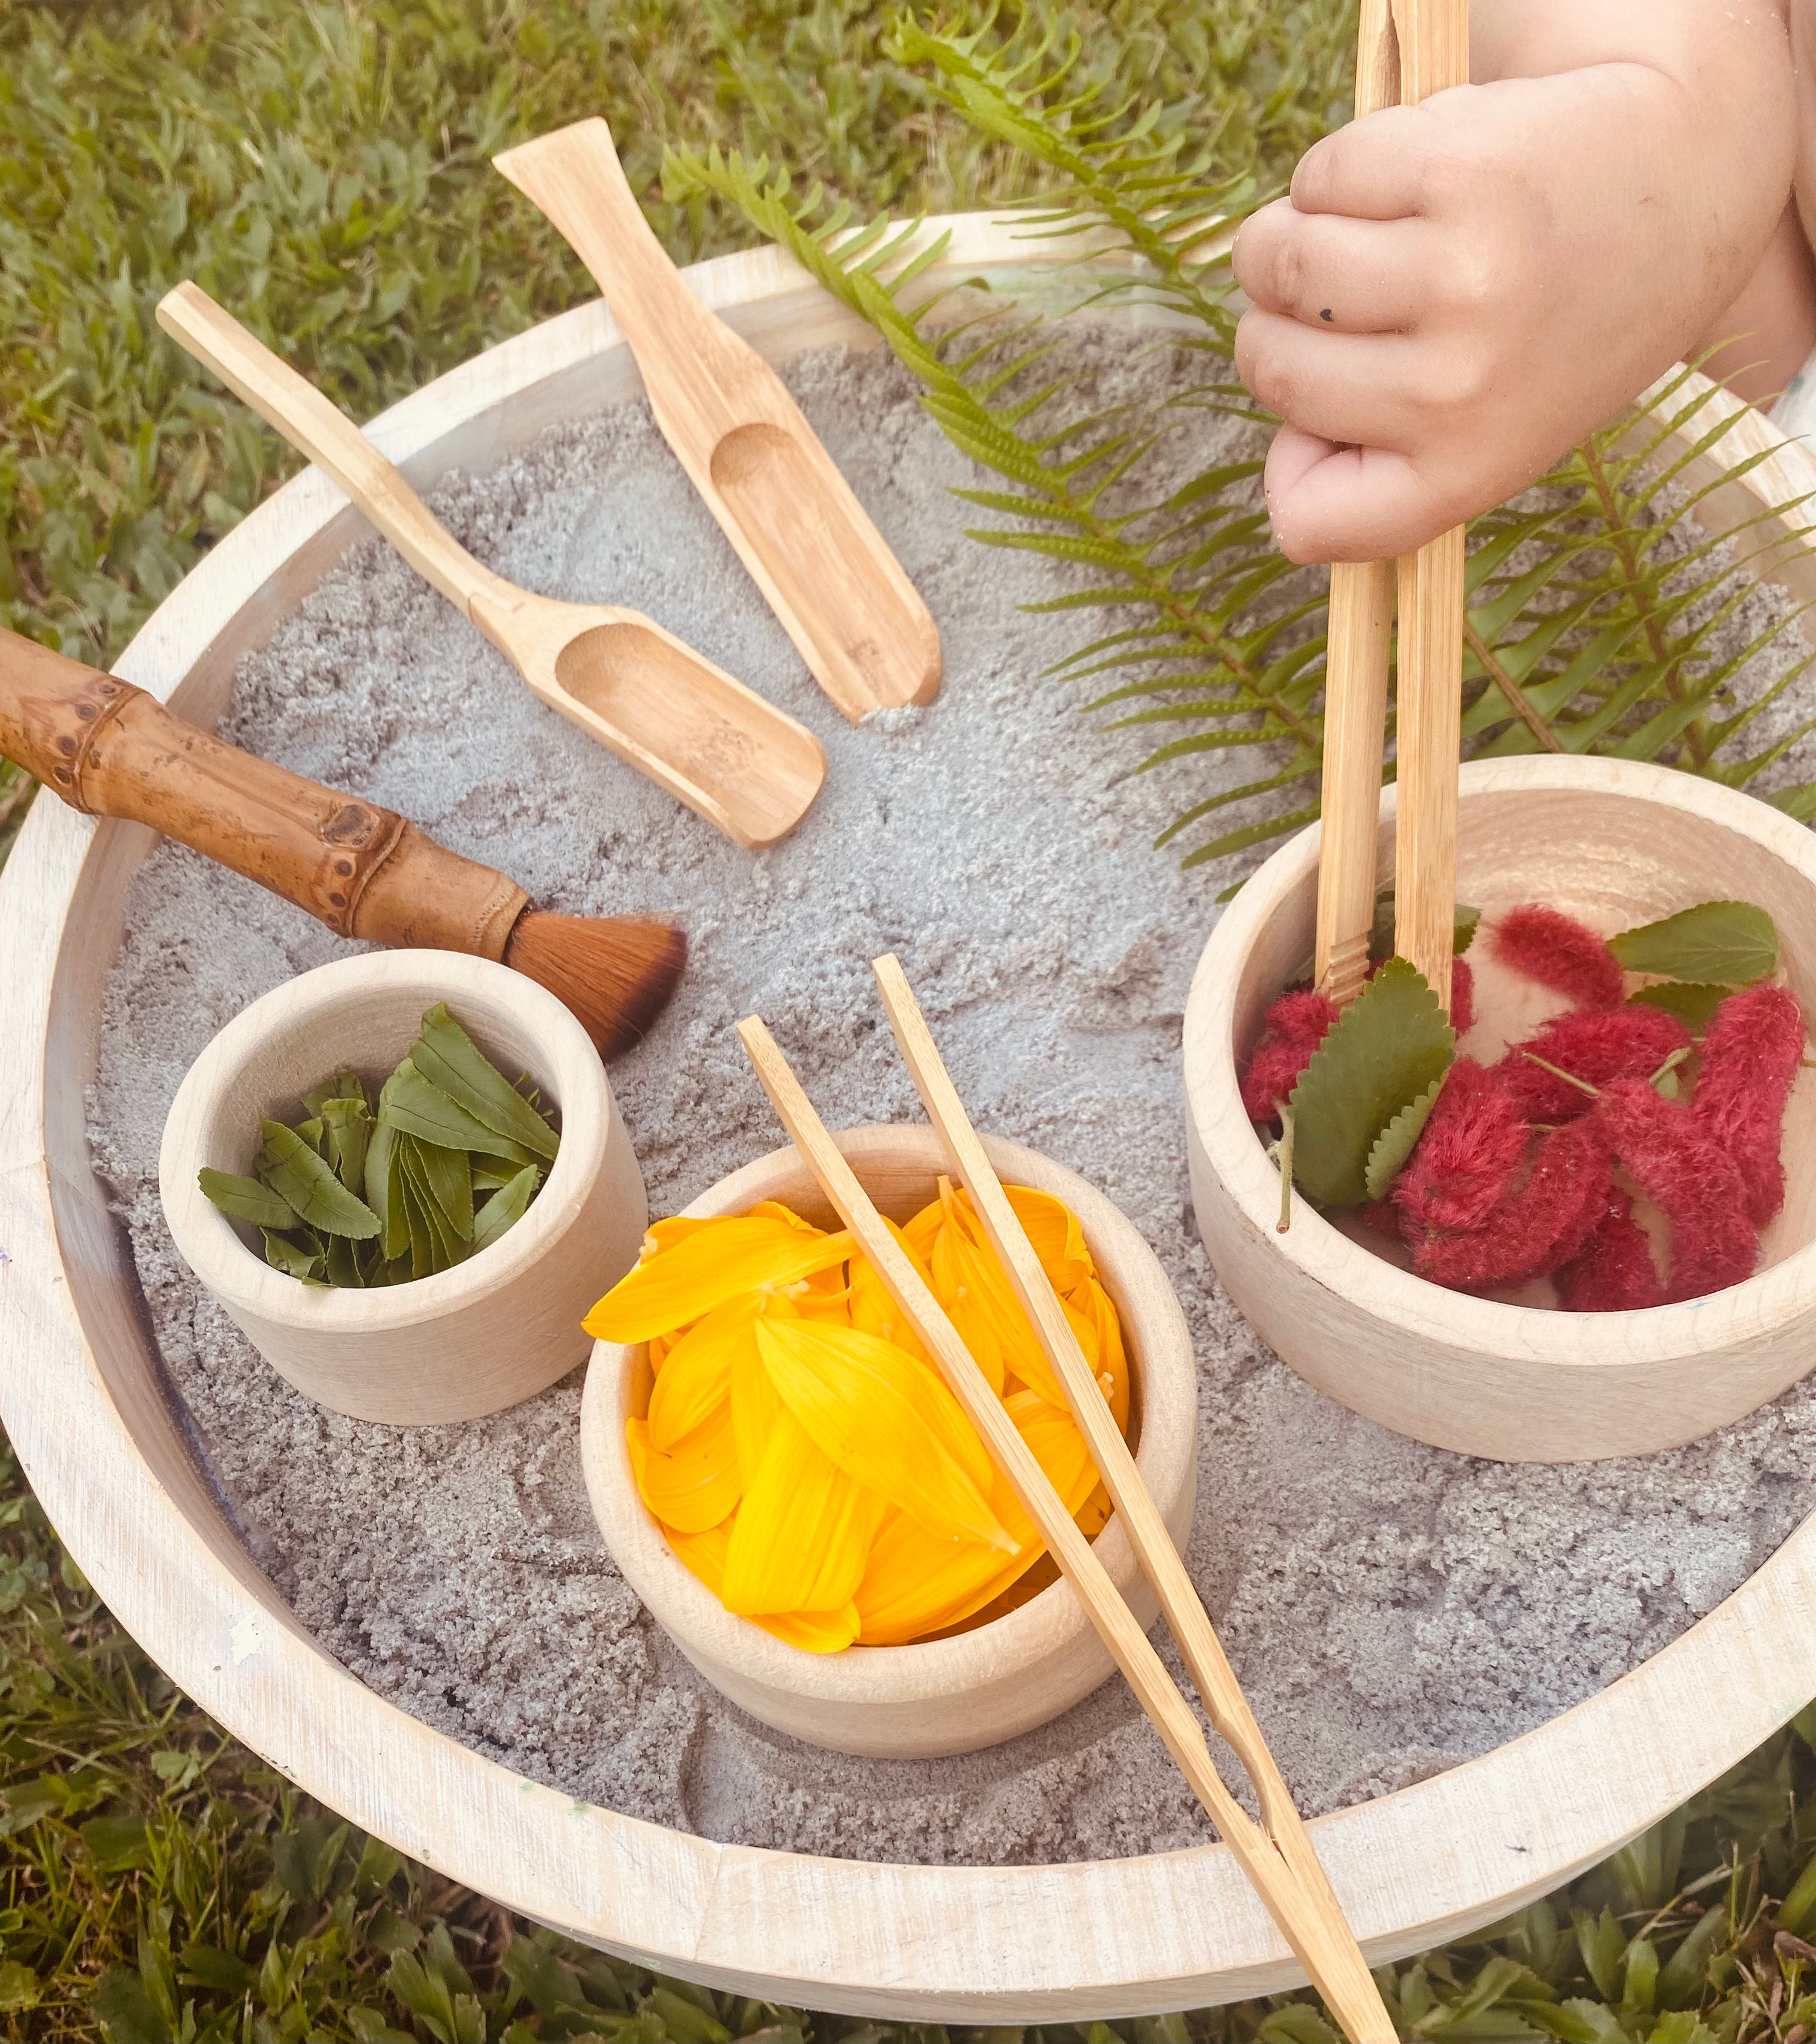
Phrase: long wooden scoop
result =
(729, 755)
(1276, 1854)
(839, 592)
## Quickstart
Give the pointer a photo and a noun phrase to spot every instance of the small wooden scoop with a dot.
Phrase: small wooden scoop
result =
(1276, 1853)
(839, 592)
(731, 757)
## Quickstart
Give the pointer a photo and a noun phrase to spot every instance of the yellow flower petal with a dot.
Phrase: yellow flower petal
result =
(703, 1554)
(1057, 1235)
(817, 1631)
(887, 1421)
(756, 1405)
(706, 1268)
(875, 1313)
(696, 1375)
(697, 1484)
(804, 1530)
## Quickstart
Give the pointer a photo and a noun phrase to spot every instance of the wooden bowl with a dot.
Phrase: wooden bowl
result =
(1615, 844)
(493, 1330)
(85, 1402)
(943, 1695)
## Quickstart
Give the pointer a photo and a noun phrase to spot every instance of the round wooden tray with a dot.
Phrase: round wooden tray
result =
(85, 1400)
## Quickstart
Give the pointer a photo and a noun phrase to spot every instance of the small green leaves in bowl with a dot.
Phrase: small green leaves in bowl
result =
(452, 1157)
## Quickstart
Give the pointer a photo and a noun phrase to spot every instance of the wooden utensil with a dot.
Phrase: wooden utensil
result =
(729, 755)
(1433, 37)
(109, 749)
(1275, 1854)
(810, 546)
(1356, 669)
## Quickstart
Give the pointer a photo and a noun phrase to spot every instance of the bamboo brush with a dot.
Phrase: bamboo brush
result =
(109, 749)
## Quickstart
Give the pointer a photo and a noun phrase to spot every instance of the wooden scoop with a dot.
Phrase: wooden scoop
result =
(731, 757)
(839, 592)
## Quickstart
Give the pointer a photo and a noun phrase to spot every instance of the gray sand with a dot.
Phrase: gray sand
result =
(1390, 1608)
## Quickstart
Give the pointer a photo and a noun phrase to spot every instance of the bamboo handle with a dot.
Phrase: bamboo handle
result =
(317, 428)
(1356, 669)
(109, 749)
(1336, 1962)
(1435, 56)
(1275, 1879)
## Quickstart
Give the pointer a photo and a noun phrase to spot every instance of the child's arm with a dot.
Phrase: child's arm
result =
(1456, 293)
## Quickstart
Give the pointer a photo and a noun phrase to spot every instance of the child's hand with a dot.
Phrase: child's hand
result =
(1456, 293)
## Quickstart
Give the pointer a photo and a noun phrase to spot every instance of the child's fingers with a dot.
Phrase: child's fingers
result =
(1390, 165)
(1362, 388)
(1353, 276)
(1332, 503)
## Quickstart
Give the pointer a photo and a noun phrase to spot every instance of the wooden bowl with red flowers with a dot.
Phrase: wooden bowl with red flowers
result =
(929, 1621)
(1612, 1202)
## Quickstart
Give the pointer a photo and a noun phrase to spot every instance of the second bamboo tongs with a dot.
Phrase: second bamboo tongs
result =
(1276, 1854)
(664, 708)
(810, 546)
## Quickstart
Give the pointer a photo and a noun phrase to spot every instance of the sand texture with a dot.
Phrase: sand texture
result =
(1390, 1608)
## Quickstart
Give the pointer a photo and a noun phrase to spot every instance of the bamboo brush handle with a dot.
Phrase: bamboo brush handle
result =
(1341, 1974)
(1433, 55)
(109, 749)
(1356, 669)
(334, 443)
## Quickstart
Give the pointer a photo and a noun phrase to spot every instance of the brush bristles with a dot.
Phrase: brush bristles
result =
(615, 973)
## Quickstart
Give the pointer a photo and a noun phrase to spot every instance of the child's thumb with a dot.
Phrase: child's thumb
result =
(1331, 503)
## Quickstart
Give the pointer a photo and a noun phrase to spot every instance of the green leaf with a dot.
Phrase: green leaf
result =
(302, 1259)
(447, 1178)
(346, 1129)
(19, 1988)
(291, 1168)
(1394, 1145)
(245, 1199)
(444, 1247)
(505, 1207)
(1693, 1002)
(410, 1102)
(1380, 1055)
(346, 1085)
(448, 1058)
(383, 1193)
(1732, 943)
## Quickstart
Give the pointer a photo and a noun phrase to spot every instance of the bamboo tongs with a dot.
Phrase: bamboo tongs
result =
(1276, 1854)
(1408, 49)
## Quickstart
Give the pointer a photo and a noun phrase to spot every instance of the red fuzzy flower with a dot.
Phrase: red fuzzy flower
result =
(1692, 1180)
(1630, 1042)
(1750, 1055)
(1467, 1155)
(1613, 1272)
(1462, 997)
(1542, 1224)
(1556, 950)
(1294, 1028)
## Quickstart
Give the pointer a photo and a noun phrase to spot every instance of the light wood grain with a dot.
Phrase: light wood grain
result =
(712, 742)
(1359, 656)
(944, 1695)
(1319, 1938)
(83, 1399)
(1617, 844)
(486, 1334)
(811, 547)
(1276, 1854)
(1434, 41)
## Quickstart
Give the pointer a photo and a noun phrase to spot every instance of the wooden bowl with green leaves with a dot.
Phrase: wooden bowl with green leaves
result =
(496, 1319)
(1616, 844)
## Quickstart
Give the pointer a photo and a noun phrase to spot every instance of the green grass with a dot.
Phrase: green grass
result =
(323, 170)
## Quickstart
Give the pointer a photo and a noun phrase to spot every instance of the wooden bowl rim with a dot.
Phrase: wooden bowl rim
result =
(237, 1275)
(920, 1672)
(1784, 1292)
(82, 1405)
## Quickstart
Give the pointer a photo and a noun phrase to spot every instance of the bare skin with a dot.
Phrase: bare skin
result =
(1456, 293)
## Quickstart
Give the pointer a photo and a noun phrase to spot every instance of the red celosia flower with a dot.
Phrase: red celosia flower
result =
(1294, 1028)
(1749, 1057)
(1382, 1216)
(1630, 1042)
(1614, 1272)
(1559, 952)
(1538, 1227)
(1468, 1156)
(1462, 997)
(1691, 1180)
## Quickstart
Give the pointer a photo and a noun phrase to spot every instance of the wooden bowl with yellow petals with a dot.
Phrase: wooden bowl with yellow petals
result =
(968, 1687)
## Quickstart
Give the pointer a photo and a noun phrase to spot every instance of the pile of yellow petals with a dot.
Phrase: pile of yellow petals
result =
(802, 1452)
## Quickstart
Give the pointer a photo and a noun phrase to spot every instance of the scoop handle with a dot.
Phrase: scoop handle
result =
(109, 749)
(314, 426)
